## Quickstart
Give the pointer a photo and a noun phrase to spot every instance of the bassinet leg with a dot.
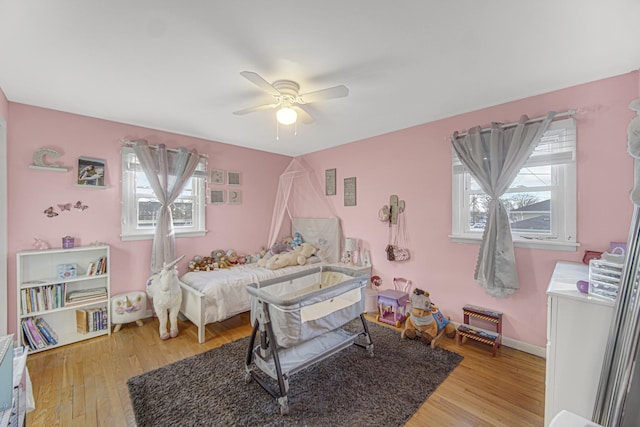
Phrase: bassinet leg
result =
(283, 383)
(365, 326)
(252, 342)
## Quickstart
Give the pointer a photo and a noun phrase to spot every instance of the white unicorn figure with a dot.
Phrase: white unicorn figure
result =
(164, 289)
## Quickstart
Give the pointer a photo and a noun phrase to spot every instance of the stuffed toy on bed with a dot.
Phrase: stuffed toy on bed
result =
(277, 248)
(298, 256)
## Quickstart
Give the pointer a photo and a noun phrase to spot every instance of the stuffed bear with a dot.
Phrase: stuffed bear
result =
(277, 248)
(425, 320)
(298, 256)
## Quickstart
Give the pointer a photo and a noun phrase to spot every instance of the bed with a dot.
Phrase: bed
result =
(213, 296)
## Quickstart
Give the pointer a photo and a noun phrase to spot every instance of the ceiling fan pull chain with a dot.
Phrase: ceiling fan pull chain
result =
(277, 131)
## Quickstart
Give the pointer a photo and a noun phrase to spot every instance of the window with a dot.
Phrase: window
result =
(140, 206)
(541, 201)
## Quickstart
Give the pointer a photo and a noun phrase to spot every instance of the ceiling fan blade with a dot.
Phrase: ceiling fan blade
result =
(319, 95)
(303, 114)
(257, 80)
(256, 108)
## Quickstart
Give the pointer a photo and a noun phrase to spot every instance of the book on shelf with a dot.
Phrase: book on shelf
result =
(35, 334)
(27, 336)
(81, 321)
(97, 267)
(83, 296)
(44, 330)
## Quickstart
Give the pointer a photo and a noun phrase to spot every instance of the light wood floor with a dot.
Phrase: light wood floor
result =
(85, 384)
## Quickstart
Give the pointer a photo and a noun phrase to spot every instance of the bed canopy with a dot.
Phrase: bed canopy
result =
(299, 196)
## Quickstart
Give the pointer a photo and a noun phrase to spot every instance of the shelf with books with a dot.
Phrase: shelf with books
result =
(53, 285)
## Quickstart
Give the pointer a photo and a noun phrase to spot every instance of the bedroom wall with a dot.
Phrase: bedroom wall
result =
(243, 227)
(415, 164)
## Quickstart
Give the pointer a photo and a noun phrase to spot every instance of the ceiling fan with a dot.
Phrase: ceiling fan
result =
(287, 100)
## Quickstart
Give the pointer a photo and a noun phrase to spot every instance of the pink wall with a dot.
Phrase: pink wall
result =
(242, 227)
(415, 164)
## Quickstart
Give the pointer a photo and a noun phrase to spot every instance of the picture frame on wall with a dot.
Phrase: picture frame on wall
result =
(233, 178)
(350, 191)
(91, 173)
(234, 197)
(330, 182)
(216, 176)
(216, 197)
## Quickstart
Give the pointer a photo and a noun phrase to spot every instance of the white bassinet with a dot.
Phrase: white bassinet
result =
(299, 318)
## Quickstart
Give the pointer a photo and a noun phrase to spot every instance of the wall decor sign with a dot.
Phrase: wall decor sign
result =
(350, 191)
(216, 197)
(233, 178)
(216, 176)
(234, 197)
(91, 173)
(330, 182)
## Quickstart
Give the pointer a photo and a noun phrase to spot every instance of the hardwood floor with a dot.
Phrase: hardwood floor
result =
(85, 384)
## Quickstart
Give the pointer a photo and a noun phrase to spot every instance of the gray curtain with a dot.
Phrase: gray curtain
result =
(494, 158)
(167, 174)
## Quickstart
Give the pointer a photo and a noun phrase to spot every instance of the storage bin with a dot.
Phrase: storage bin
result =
(604, 278)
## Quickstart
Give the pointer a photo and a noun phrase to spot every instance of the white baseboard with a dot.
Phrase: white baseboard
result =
(520, 345)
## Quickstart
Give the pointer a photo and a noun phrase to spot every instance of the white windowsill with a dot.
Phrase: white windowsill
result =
(133, 237)
(529, 244)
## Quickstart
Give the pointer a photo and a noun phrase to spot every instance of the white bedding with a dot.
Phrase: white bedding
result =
(225, 290)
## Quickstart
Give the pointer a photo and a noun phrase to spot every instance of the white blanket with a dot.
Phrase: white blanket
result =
(225, 290)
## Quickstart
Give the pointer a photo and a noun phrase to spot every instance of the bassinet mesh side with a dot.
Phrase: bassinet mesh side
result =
(332, 297)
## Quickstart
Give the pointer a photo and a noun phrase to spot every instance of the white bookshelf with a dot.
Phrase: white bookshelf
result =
(37, 269)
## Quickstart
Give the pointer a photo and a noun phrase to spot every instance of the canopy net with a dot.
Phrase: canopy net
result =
(299, 196)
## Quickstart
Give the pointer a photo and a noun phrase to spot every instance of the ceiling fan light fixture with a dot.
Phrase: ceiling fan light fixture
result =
(286, 116)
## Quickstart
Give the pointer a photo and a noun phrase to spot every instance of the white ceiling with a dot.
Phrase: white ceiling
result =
(174, 65)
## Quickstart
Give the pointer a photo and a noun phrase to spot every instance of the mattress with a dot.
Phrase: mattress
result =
(225, 290)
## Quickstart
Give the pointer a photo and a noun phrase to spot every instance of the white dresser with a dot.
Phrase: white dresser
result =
(577, 333)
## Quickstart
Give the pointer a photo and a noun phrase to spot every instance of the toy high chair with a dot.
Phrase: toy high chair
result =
(392, 303)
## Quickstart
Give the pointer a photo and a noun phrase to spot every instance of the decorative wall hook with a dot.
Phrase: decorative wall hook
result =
(396, 207)
(390, 212)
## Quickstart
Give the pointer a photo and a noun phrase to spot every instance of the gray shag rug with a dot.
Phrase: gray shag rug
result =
(347, 389)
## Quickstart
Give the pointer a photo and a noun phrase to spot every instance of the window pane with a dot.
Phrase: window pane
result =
(181, 210)
(539, 176)
(478, 205)
(529, 212)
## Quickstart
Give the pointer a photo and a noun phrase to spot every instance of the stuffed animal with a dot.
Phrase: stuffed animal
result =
(425, 320)
(277, 248)
(297, 240)
(298, 256)
(164, 289)
(232, 256)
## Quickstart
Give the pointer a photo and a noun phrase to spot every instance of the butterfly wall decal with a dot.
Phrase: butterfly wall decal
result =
(80, 206)
(65, 207)
(50, 212)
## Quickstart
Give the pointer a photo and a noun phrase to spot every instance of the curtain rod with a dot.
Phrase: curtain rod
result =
(568, 113)
(132, 142)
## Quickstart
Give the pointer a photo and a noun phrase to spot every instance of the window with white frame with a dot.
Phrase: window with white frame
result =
(140, 205)
(541, 201)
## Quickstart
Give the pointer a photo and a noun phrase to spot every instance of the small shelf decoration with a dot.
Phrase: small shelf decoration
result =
(216, 176)
(233, 178)
(235, 197)
(330, 182)
(91, 173)
(39, 162)
(216, 197)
